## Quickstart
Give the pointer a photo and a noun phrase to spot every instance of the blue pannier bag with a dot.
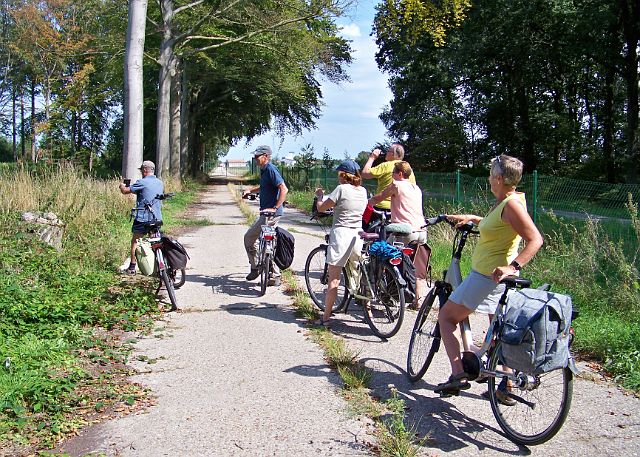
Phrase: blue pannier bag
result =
(535, 332)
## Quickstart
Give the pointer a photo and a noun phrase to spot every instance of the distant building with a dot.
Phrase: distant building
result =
(289, 160)
(236, 163)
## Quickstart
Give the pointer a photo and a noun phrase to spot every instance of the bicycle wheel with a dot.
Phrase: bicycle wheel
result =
(168, 283)
(542, 403)
(386, 311)
(177, 277)
(316, 278)
(425, 337)
(265, 268)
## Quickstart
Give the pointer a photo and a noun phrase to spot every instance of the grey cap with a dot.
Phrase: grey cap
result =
(148, 164)
(262, 150)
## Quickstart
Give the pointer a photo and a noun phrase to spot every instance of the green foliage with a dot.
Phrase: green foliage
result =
(550, 94)
(56, 305)
(412, 19)
(395, 439)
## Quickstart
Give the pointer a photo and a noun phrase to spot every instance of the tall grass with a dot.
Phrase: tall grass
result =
(54, 303)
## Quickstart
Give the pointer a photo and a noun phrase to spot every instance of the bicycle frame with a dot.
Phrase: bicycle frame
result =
(267, 241)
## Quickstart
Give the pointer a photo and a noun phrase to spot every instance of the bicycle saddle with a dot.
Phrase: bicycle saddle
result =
(151, 226)
(399, 228)
(368, 236)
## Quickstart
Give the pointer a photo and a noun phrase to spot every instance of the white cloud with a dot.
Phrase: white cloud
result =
(350, 31)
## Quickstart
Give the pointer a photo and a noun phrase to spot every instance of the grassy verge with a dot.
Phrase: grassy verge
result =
(393, 436)
(578, 260)
(64, 312)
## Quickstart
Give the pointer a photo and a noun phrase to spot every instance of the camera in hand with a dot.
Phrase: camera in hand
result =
(126, 182)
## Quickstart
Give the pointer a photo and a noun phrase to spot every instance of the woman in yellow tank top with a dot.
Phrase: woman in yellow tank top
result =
(495, 257)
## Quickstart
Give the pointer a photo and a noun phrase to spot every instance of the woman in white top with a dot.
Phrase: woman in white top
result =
(348, 201)
(406, 208)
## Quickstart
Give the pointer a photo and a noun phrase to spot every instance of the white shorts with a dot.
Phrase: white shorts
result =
(478, 293)
(340, 241)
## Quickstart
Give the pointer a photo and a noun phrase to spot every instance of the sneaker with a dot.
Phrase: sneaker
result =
(131, 270)
(253, 274)
(274, 282)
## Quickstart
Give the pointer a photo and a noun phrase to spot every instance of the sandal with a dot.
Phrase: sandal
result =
(321, 323)
(456, 382)
(502, 394)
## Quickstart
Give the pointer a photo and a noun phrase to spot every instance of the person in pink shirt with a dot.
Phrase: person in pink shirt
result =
(406, 208)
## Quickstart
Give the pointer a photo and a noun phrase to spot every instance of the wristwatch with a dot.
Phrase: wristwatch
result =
(516, 265)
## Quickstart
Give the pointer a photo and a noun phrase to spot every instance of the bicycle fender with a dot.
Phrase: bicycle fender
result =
(401, 280)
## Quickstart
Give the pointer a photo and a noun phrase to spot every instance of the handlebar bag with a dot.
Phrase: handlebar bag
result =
(535, 331)
(285, 246)
(175, 253)
(145, 257)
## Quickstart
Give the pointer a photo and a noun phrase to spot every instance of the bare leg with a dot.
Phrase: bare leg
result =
(332, 290)
(448, 318)
(134, 244)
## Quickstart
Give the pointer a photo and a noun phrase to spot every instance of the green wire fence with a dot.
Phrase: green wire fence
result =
(571, 200)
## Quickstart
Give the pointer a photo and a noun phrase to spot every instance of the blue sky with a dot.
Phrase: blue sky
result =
(349, 121)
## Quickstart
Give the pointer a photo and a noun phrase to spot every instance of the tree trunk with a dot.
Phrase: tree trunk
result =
(33, 121)
(608, 123)
(174, 136)
(164, 90)
(631, 29)
(133, 89)
(184, 119)
(23, 138)
(14, 129)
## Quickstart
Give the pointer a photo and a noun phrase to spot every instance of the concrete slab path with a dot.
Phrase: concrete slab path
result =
(237, 375)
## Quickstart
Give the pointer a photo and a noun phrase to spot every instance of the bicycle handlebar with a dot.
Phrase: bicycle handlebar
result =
(164, 196)
(467, 227)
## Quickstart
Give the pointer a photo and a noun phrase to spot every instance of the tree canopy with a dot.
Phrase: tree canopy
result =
(554, 82)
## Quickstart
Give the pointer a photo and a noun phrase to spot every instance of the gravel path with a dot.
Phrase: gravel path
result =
(237, 375)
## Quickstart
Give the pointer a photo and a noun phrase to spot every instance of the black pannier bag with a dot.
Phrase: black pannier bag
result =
(408, 272)
(175, 253)
(284, 248)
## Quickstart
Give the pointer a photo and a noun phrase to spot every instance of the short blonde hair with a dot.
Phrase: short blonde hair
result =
(509, 168)
(404, 168)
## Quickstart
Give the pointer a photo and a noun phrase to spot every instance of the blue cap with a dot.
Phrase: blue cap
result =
(348, 166)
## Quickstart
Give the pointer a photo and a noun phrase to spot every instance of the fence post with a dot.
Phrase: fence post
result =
(535, 196)
(458, 199)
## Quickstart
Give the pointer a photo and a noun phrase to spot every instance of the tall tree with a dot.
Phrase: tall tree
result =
(133, 95)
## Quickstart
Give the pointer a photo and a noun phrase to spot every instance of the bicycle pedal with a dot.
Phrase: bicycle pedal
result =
(449, 393)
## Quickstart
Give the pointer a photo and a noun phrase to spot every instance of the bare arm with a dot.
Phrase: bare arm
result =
(366, 170)
(282, 196)
(124, 189)
(461, 219)
(391, 190)
(251, 190)
(325, 205)
(515, 214)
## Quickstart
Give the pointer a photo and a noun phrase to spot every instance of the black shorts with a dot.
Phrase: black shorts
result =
(139, 227)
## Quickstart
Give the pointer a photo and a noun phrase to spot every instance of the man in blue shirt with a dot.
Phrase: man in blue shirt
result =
(146, 190)
(273, 192)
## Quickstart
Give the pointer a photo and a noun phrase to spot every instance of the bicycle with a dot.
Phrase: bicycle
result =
(172, 278)
(266, 245)
(540, 403)
(375, 284)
